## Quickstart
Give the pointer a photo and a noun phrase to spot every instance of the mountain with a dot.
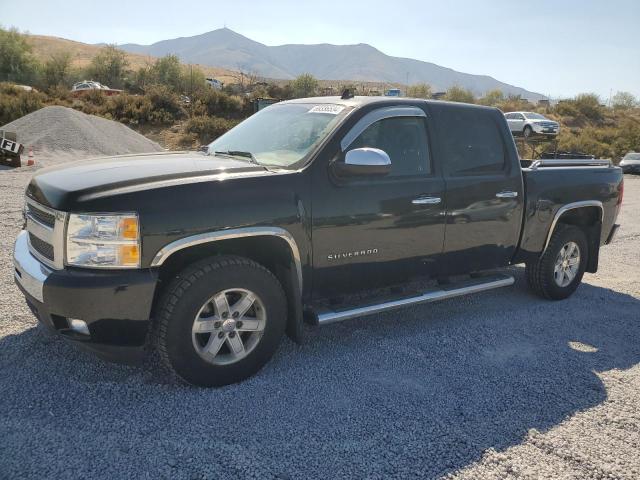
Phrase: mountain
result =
(228, 49)
(43, 47)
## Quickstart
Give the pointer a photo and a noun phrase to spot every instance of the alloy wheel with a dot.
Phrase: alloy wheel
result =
(229, 326)
(567, 264)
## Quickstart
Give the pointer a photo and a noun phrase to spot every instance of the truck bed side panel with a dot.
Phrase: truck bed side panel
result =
(549, 189)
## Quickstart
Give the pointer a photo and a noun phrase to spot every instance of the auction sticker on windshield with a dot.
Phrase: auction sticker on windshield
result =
(332, 109)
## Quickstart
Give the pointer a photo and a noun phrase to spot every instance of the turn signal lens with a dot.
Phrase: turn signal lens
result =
(129, 255)
(129, 228)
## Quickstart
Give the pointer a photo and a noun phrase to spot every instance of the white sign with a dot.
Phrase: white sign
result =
(9, 145)
(328, 108)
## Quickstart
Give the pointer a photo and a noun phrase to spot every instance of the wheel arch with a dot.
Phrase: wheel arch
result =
(589, 215)
(273, 247)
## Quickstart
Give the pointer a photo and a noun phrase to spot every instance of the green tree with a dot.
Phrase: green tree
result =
(623, 101)
(168, 71)
(16, 61)
(304, 86)
(109, 66)
(588, 104)
(492, 98)
(459, 94)
(16, 102)
(193, 79)
(419, 90)
(56, 69)
(141, 78)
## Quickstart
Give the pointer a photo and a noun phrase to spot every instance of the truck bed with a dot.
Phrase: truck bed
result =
(553, 184)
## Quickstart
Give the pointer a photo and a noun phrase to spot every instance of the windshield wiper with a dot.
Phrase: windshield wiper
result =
(238, 153)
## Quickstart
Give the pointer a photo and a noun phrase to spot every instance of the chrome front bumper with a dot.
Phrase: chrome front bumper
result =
(546, 130)
(29, 272)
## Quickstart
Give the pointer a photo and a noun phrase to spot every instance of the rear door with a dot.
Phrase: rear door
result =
(484, 188)
(376, 231)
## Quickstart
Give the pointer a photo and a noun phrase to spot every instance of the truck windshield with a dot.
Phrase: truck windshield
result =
(281, 135)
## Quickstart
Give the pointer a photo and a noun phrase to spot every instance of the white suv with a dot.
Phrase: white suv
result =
(528, 124)
(630, 163)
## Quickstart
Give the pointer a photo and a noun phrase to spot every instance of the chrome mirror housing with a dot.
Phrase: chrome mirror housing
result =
(364, 161)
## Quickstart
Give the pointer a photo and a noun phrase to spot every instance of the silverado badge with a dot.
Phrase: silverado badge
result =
(357, 253)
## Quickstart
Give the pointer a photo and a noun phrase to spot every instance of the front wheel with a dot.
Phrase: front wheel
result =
(220, 321)
(558, 272)
(527, 132)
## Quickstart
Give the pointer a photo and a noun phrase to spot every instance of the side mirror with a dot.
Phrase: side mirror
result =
(363, 162)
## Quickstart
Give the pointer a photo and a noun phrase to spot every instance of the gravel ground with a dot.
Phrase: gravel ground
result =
(496, 385)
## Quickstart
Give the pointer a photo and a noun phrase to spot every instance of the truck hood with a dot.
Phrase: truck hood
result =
(54, 186)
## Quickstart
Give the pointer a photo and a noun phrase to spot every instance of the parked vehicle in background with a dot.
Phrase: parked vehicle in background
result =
(529, 124)
(10, 149)
(214, 83)
(260, 103)
(26, 88)
(398, 201)
(89, 85)
(393, 92)
(630, 163)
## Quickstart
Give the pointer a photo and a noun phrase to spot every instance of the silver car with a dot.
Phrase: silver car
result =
(529, 124)
(630, 163)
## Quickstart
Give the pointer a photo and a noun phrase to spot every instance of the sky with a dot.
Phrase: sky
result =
(554, 47)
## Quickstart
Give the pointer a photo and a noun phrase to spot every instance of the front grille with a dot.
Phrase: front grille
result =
(41, 216)
(46, 233)
(43, 248)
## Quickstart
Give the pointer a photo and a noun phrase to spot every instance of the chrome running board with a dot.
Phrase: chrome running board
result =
(474, 285)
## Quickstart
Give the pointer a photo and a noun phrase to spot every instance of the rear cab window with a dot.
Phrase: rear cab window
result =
(470, 141)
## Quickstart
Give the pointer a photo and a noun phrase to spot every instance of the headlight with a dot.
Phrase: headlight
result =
(107, 241)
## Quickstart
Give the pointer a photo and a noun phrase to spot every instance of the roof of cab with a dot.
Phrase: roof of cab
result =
(351, 102)
(381, 100)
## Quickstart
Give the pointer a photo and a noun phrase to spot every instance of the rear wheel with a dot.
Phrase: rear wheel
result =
(220, 321)
(558, 272)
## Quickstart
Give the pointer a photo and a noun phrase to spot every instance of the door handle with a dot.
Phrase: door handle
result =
(507, 194)
(426, 201)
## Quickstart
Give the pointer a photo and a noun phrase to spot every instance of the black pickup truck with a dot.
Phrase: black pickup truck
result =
(313, 210)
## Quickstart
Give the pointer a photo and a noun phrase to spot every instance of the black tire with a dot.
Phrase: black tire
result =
(540, 274)
(188, 292)
(527, 132)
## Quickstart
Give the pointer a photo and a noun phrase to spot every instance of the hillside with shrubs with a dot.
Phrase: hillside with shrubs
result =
(171, 102)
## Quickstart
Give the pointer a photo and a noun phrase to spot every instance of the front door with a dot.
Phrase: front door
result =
(376, 231)
(515, 122)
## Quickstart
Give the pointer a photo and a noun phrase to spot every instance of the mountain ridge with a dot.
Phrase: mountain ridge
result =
(357, 62)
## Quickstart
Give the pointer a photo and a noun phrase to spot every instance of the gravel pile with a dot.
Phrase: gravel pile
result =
(62, 129)
(500, 385)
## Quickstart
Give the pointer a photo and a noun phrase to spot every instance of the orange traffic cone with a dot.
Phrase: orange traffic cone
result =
(31, 160)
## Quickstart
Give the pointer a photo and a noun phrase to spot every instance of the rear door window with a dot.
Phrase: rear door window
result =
(470, 141)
